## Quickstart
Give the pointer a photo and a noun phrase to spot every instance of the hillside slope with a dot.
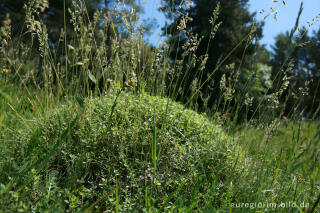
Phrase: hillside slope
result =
(125, 151)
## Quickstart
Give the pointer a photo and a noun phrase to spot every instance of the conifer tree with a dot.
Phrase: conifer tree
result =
(231, 31)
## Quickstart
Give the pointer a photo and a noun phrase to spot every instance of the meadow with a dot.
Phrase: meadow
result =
(97, 126)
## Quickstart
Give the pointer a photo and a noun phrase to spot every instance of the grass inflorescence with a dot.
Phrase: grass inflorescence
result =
(100, 121)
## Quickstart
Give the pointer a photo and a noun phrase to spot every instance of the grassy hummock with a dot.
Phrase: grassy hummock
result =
(120, 152)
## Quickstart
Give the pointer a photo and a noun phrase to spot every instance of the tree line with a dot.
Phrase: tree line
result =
(214, 50)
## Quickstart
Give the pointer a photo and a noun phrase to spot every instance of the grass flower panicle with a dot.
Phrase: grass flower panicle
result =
(101, 120)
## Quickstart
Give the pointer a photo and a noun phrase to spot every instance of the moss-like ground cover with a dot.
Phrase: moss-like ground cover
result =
(122, 151)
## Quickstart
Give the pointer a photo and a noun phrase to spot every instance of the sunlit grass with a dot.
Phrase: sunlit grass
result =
(80, 132)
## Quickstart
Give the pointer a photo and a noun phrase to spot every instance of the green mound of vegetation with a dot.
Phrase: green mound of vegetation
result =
(131, 152)
(123, 151)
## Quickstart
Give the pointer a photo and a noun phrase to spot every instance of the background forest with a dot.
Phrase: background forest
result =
(94, 118)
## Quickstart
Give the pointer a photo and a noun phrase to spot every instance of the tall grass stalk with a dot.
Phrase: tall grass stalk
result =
(272, 158)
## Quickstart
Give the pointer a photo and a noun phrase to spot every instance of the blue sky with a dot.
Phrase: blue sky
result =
(285, 19)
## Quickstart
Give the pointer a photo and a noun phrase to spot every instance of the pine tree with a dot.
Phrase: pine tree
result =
(235, 23)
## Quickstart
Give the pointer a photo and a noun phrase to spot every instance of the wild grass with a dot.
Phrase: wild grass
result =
(79, 130)
(96, 147)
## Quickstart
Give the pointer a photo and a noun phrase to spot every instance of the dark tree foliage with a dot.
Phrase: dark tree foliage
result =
(236, 25)
(53, 16)
(299, 60)
(313, 73)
